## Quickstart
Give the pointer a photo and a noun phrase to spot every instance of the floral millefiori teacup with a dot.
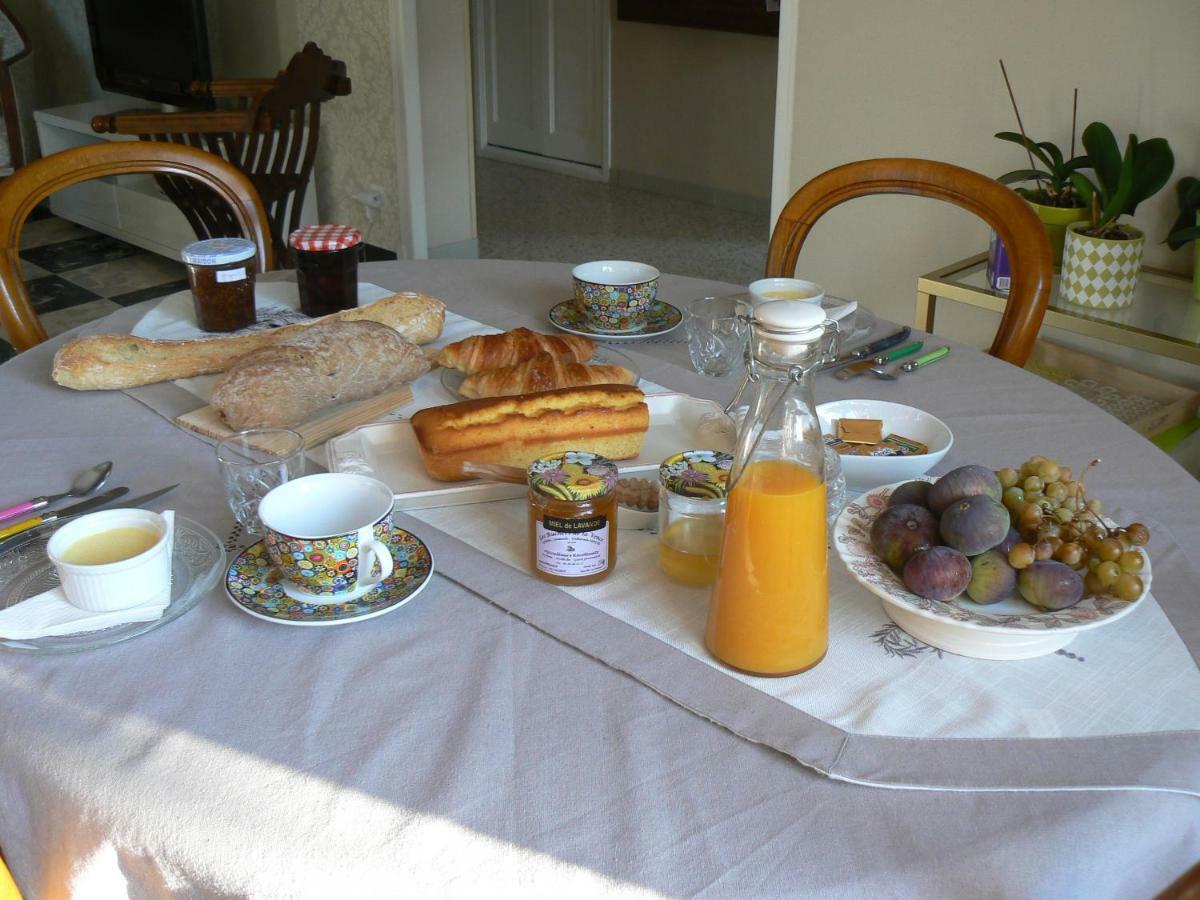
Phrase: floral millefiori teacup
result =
(615, 295)
(327, 535)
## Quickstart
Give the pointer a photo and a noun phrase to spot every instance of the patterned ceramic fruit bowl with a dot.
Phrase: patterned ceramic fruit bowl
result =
(1010, 629)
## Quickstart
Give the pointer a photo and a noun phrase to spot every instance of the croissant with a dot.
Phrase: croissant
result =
(542, 373)
(495, 351)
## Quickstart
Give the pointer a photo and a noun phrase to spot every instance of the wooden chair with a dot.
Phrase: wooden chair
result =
(1017, 224)
(28, 186)
(270, 133)
(15, 105)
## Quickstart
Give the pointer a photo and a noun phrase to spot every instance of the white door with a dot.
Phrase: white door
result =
(541, 78)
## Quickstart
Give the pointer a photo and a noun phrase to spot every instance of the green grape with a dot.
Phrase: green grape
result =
(1056, 490)
(1033, 484)
(1063, 514)
(1091, 585)
(1008, 477)
(1131, 561)
(1128, 586)
(1139, 534)
(1021, 556)
(1013, 498)
(1048, 470)
(1043, 550)
(1108, 572)
(1064, 474)
(1095, 506)
(1071, 554)
(1109, 550)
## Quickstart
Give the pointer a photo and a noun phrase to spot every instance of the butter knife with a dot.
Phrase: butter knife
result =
(869, 350)
(866, 365)
(24, 537)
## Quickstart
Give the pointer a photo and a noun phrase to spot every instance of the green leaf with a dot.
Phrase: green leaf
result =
(1101, 147)
(1018, 175)
(1074, 165)
(1029, 145)
(1180, 237)
(1118, 202)
(1056, 157)
(1152, 165)
(1187, 191)
(1083, 187)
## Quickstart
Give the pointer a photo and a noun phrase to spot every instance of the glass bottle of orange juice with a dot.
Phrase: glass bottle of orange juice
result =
(769, 613)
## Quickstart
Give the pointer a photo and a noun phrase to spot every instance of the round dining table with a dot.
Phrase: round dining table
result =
(467, 744)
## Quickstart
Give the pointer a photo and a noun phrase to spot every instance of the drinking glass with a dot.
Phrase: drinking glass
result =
(253, 463)
(716, 336)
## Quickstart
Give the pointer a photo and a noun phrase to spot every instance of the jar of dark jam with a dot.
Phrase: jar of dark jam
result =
(326, 267)
(221, 272)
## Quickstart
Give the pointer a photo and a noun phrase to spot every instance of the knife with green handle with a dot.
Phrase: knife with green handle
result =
(933, 356)
(859, 367)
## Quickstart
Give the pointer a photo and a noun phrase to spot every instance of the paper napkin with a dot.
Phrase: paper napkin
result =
(49, 615)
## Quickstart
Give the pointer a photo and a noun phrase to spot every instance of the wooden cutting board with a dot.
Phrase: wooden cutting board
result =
(338, 420)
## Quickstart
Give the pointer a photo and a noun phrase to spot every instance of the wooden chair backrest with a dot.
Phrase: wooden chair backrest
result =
(8, 97)
(28, 186)
(1016, 224)
(271, 135)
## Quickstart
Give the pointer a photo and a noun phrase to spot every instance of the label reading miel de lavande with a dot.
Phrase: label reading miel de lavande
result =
(572, 547)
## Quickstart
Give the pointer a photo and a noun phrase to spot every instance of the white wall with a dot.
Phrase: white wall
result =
(693, 108)
(878, 78)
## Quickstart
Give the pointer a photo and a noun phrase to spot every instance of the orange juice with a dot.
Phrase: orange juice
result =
(770, 604)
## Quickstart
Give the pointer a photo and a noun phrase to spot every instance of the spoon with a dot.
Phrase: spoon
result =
(86, 483)
(912, 365)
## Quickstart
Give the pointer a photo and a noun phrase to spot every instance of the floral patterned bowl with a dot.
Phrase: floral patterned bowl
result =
(1010, 629)
(615, 295)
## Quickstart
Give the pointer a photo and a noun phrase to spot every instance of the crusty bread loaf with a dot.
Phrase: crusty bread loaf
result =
(116, 361)
(607, 419)
(331, 363)
(542, 373)
(481, 352)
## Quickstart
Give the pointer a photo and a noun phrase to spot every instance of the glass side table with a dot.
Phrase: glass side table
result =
(1164, 318)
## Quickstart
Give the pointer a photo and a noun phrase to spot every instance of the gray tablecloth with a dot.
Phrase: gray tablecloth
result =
(453, 748)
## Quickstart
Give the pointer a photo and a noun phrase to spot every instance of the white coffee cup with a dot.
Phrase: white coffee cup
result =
(767, 289)
(327, 533)
(134, 581)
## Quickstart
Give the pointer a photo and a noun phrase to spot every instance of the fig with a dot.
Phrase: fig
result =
(1010, 540)
(992, 578)
(937, 573)
(915, 492)
(965, 481)
(1049, 584)
(900, 531)
(974, 524)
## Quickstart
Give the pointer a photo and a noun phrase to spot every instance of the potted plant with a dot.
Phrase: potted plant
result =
(1102, 256)
(1187, 227)
(1053, 196)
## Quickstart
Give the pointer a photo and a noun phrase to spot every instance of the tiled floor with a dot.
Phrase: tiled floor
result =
(526, 213)
(75, 275)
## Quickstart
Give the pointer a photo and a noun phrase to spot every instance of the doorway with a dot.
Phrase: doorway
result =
(542, 84)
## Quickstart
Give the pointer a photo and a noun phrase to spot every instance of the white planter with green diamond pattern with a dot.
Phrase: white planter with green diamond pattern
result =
(1100, 272)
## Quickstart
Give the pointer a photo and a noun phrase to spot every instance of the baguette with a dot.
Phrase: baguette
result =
(514, 431)
(541, 373)
(331, 363)
(118, 361)
(481, 352)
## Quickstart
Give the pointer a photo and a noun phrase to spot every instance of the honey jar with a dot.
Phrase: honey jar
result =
(572, 517)
(691, 514)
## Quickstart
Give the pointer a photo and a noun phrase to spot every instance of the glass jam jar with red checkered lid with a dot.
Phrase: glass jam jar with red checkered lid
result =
(326, 267)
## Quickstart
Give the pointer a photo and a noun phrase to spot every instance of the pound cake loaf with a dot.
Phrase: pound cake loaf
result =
(609, 419)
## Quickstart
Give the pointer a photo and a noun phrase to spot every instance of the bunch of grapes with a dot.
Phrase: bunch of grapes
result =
(1055, 520)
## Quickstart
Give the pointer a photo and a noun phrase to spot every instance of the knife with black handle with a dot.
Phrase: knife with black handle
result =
(866, 352)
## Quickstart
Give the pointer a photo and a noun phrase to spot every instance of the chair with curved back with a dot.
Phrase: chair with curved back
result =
(16, 92)
(1017, 224)
(271, 134)
(29, 185)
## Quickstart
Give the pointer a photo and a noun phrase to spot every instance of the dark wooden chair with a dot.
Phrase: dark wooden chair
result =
(1017, 224)
(15, 105)
(30, 185)
(269, 129)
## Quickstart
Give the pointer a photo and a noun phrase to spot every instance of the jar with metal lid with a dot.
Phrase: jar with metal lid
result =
(691, 514)
(221, 273)
(326, 267)
(572, 517)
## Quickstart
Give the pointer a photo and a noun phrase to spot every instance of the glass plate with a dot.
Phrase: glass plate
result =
(604, 356)
(196, 564)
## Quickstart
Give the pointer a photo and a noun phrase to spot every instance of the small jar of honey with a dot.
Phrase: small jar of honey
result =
(572, 517)
(691, 514)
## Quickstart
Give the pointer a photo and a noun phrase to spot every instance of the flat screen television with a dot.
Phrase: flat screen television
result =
(151, 48)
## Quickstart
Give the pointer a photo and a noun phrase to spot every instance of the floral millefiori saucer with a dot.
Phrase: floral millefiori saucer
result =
(661, 318)
(253, 586)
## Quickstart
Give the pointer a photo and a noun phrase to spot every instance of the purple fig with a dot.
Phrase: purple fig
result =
(900, 531)
(915, 492)
(965, 481)
(974, 524)
(937, 573)
(1049, 584)
(992, 578)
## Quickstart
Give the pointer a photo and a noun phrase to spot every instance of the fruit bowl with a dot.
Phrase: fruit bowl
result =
(1010, 629)
(866, 472)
